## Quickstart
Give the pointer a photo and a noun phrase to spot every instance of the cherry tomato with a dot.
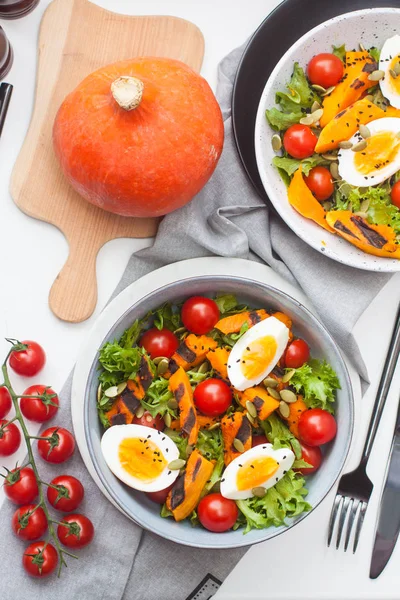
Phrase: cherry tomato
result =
(159, 342)
(5, 402)
(77, 532)
(217, 513)
(30, 361)
(317, 427)
(325, 69)
(147, 420)
(39, 410)
(320, 182)
(199, 314)
(258, 440)
(69, 494)
(297, 353)
(313, 456)
(299, 141)
(40, 559)
(161, 496)
(59, 448)
(395, 194)
(20, 486)
(212, 397)
(29, 523)
(10, 438)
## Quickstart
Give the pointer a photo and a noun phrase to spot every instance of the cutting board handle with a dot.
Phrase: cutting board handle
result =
(73, 295)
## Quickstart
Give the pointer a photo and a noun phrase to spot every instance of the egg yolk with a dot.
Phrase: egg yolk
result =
(255, 472)
(141, 458)
(257, 356)
(394, 81)
(382, 149)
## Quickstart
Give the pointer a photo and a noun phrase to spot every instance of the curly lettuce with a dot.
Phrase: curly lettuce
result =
(317, 382)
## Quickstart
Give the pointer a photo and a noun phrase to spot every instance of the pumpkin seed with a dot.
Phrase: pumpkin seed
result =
(284, 409)
(307, 120)
(214, 426)
(362, 49)
(393, 73)
(318, 88)
(270, 382)
(238, 445)
(167, 419)
(273, 393)
(329, 156)
(172, 404)
(111, 392)
(139, 412)
(251, 419)
(121, 387)
(162, 366)
(363, 215)
(364, 131)
(276, 142)
(204, 367)
(345, 145)
(251, 409)
(180, 330)
(157, 360)
(259, 491)
(327, 206)
(329, 90)
(370, 98)
(177, 464)
(317, 114)
(376, 75)
(359, 146)
(364, 206)
(288, 375)
(99, 393)
(334, 169)
(169, 432)
(315, 106)
(396, 68)
(189, 450)
(288, 396)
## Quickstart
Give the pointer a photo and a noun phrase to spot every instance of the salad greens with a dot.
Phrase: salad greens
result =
(318, 382)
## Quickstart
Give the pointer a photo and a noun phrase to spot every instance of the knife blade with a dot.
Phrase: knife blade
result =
(388, 523)
(5, 96)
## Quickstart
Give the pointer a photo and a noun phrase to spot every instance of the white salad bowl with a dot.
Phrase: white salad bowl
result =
(371, 27)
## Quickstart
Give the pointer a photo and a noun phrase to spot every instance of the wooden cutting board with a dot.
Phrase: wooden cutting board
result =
(77, 37)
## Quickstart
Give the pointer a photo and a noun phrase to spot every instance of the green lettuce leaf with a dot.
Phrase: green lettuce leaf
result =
(279, 435)
(339, 51)
(116, 358)
(318, 382)
(165, 512)
(209, 444)
(215, 475)
(300, 91)
(375, 53)
(226, 303)
(131, 335)
(290, 165)
(281, 121)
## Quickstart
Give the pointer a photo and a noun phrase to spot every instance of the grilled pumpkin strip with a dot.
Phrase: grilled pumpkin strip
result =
(191, 352)
(179, 385)
(234, 323)
(119, 414)
(296, 410)
(218, 359)
(264, 403)
(235, 426)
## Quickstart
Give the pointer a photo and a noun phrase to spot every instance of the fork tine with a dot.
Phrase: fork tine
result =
(342, 518)
(359, 524)
(353, 507)
(335, 508)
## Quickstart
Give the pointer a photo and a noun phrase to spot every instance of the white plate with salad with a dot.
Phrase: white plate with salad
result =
(327, 139)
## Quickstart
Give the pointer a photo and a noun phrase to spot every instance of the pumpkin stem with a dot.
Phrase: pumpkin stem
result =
(127, 92)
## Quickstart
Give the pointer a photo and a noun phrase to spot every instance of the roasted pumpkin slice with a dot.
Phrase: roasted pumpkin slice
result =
(179, 385)
(378, 240)
(206, 422)
(218, 360)
(234, 323)
(119, 414)
(264, 403)
(235, 426)
(358, 65)
(301, 198)
(186, 492)
(345, 124)
(296, 410)
(191, 352)
(391, 111)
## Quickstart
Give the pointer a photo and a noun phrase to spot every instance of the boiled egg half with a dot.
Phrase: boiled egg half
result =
(256, 353)
(388, 63)
(261, 466)
(379, 160)
(139, 456)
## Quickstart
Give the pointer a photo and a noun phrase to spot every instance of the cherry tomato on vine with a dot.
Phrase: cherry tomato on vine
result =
(5, 402)
(313, 456)
(40, 559)
(259, 440)
(69, 495)
(29, 523)
(161, 496)
(20, 486)
(159, 342)
(147, 420)
(317, 427)
(395, 194)
(10, 438)
(325, 69)
(297, 353)
(212, 397)
(37, 409)
(320, 182)
(77, 532)
(299, 141)
(30, 361)
(59, 448)
(199, 314)
(217, 513)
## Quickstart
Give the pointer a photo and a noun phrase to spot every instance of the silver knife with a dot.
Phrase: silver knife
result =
(388, 525)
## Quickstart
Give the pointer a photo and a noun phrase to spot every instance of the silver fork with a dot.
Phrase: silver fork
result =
(355, 488)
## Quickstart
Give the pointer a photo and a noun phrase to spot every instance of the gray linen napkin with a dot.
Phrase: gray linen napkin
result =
(227, 219)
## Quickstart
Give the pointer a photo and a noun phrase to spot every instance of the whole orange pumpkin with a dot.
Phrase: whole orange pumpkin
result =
(139, 138)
